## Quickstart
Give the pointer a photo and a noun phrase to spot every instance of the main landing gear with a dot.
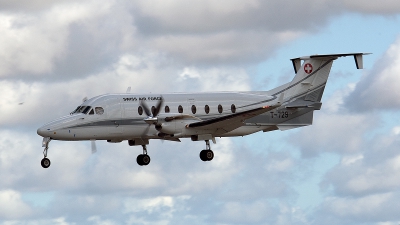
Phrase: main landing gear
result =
(207, 154)
(45, 161)
(143, 159)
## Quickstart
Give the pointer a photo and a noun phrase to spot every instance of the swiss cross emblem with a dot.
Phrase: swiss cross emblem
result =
(308, 68)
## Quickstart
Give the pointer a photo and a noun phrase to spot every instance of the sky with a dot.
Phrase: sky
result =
(344, 169)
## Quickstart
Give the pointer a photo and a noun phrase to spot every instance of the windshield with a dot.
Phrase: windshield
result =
(82, 109)
(88, 110)
(75, 110)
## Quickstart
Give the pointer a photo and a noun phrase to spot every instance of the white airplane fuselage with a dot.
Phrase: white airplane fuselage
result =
(121, 119)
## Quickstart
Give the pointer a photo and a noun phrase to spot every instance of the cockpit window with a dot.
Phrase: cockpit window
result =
(86, 109)
(75, 110)
(99, 110)
(80, 110)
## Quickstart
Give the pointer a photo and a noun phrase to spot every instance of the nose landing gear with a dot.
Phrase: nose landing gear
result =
(45, 161)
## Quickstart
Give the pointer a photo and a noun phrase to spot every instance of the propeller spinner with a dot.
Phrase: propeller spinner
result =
(151, 114)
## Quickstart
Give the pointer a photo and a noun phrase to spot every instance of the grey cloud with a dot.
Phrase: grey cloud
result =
(378, 89)
(374, 209)
(101, 184)
(385, 7)
(190, 34)
(375, 172)
(24, 5)
(225, 16)
(339, 133)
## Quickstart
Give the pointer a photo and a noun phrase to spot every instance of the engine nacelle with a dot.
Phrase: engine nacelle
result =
(173, 123)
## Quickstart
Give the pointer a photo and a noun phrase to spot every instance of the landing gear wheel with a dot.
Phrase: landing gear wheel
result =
(206, 155)
(45, 162)
(143, 160)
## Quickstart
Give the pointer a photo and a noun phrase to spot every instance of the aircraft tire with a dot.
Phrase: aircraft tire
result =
(139, 159)
(206, 155)
(45, 163)
(143, 160)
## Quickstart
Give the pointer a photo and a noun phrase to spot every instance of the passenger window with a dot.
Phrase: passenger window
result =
(140, 110)
(233, 108)
(207, 109)
(99, 110)
(193, 109)
(220, 108)
(180, 109)
(166, 109)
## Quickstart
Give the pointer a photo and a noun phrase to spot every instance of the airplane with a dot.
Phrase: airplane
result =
(138, 118)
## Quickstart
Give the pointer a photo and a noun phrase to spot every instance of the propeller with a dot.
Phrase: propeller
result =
(151, 118)
(93, 146)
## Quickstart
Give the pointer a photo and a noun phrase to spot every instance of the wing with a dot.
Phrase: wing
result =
(233, 121)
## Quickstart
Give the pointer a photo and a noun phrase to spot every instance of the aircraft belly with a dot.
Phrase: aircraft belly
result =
(86, 133)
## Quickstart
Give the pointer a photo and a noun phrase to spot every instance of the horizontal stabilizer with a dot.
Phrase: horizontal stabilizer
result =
(315, 105)
(288, 127)
(300, 121)
(357, 58)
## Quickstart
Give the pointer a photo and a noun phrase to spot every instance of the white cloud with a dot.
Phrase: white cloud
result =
(12, 206)
(255, 212)
(97, 220)
(340, 133)
(230, 79)
(374, 208)
(32, 43)
(378, 89)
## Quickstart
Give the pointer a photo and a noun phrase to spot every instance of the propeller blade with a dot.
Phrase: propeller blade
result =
(145, 107)
(146, 130)
(93, 145)
(158, 107)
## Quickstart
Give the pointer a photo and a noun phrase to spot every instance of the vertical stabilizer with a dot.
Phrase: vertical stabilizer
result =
(312, 75)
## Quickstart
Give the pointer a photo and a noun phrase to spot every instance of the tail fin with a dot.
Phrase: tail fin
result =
(308, 85)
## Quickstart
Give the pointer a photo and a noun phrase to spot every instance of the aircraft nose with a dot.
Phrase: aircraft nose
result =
(42, 131)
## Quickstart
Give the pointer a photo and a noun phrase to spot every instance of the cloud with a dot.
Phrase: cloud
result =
(369, 209)
(339, 133)
(12, 206)
(33, 43)
(386, 7)
(238, 213)
(373, 171)
(208, 17)
(378, 89)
